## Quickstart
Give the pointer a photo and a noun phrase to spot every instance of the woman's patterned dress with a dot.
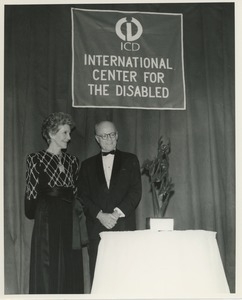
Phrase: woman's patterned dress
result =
(55, 267)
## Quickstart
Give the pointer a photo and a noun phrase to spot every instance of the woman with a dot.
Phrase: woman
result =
(51, 176)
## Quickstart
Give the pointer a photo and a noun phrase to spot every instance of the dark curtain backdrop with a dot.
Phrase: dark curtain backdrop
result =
(202, 159)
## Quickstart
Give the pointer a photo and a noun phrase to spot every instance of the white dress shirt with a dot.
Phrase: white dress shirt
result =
(108, 167)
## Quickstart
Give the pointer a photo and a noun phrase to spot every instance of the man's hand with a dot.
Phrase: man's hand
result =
(107, 220)
(115, 214)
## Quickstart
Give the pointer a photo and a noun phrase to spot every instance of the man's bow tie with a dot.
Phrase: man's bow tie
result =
(110, 152)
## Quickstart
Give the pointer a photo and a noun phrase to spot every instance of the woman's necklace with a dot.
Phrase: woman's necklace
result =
(60, 164)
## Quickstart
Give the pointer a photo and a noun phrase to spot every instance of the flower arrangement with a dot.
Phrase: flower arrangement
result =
(158, 172)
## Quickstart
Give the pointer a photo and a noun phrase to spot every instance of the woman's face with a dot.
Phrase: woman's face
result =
(61, 138)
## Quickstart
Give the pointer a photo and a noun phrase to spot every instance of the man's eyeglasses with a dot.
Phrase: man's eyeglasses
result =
(105, 136)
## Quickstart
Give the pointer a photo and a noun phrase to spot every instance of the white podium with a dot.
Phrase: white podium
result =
(161, 264)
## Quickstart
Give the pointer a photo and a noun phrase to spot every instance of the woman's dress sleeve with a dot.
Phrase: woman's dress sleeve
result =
(32, 182)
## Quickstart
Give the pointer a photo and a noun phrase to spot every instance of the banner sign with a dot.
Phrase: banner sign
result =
(127, 59)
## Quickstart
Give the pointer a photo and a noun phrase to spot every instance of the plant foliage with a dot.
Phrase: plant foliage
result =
(158, 172)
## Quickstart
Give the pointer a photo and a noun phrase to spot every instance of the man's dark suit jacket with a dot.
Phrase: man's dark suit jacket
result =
(124, 191)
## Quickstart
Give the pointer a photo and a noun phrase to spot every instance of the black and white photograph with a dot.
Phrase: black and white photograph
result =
(120, 150)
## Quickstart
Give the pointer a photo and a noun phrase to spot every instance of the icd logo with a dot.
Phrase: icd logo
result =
(129, 30)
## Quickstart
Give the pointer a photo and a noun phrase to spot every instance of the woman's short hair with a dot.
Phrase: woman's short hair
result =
(53, 121)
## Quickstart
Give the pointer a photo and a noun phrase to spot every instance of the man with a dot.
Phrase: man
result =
(110, 187)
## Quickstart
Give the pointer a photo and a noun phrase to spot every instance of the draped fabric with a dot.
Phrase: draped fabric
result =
(202, 159)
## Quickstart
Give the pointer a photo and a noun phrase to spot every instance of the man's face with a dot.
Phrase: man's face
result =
(107, 136)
